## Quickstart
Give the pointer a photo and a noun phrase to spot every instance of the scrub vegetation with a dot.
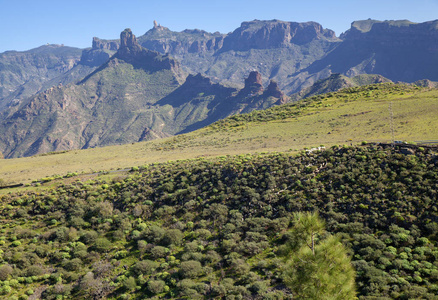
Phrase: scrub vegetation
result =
(234, 227)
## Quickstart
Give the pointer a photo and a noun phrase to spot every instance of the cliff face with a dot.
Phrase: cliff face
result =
(274, 48)
(100, 52)
(112, 45)
(250, 35)
(136, 95)
(163, 40)
(274, 34)
(131, 52)
(254, 83)
(398, 50)
(295, 55)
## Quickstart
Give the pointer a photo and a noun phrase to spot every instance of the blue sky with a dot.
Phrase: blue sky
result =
(26, 24)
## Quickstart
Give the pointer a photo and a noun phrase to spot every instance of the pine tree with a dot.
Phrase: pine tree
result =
(317, 265)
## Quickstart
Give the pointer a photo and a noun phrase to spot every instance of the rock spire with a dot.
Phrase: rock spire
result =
(254, 84)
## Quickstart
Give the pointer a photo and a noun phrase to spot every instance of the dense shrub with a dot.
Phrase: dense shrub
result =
(190, 269)
(221, 227)
(5, 271)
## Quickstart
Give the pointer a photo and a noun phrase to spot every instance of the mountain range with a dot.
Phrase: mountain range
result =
(137, 95)
(164, 83)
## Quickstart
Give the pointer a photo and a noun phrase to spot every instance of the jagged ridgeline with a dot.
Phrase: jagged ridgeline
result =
(137, 95)
(227, 227)
(120, 97)
(294, 54)
(298, 54)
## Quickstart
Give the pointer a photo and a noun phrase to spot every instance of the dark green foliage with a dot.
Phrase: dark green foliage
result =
(102, 245)
(223, 228)
(317, 266)
(145, 267)
(191, 269)
(173, 237)
(156, 286)
(5, 271)
(89, 237)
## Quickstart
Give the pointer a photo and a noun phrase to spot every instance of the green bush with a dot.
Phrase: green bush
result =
(159, 252)
(191, 269)
(173, 237)
(145, 267)
(102, 245)
(156, 286)
(129, 283)
(34, 271)
(5, 271)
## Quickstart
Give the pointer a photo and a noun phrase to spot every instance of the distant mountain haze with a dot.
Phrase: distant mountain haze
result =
(137, 95)
(164, 83)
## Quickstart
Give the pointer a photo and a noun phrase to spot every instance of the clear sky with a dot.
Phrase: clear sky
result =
(26, 24)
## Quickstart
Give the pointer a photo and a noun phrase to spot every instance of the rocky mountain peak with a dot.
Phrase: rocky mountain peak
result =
(254, 84)
(131, 52)
(274, 90)
(128, 42)
(159, 28)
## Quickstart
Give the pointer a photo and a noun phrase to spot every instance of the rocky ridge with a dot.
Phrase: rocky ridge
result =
(398, 50)
(286, 56)
(23, 74)
(135, 96)
(274, 34)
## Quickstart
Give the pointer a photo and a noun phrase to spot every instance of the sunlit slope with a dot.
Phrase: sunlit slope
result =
(350, 116)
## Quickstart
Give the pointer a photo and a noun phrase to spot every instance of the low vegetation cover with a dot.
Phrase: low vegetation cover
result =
(294, 109)
(349, 116)
(234, 227)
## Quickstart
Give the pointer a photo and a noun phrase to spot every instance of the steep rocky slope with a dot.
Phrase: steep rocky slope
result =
(398, 50)
(297, 55)
(274, 48)
(127, 93)
(136, 95)
(23, 74)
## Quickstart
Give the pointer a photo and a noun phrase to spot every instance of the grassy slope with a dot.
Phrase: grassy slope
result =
(351, 116)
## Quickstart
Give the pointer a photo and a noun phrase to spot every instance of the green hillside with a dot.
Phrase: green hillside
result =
(180, 218)
(226, 227)
(336, 82)
(346, 117)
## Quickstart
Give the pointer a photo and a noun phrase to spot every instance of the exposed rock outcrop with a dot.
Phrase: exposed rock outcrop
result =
(198, 80)
(398, 50)
(100, 52)
(128, 44)
(273, 90)
(130, 51)
(165, 41)
(254, 83)
(112, 45)
(273, 34)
